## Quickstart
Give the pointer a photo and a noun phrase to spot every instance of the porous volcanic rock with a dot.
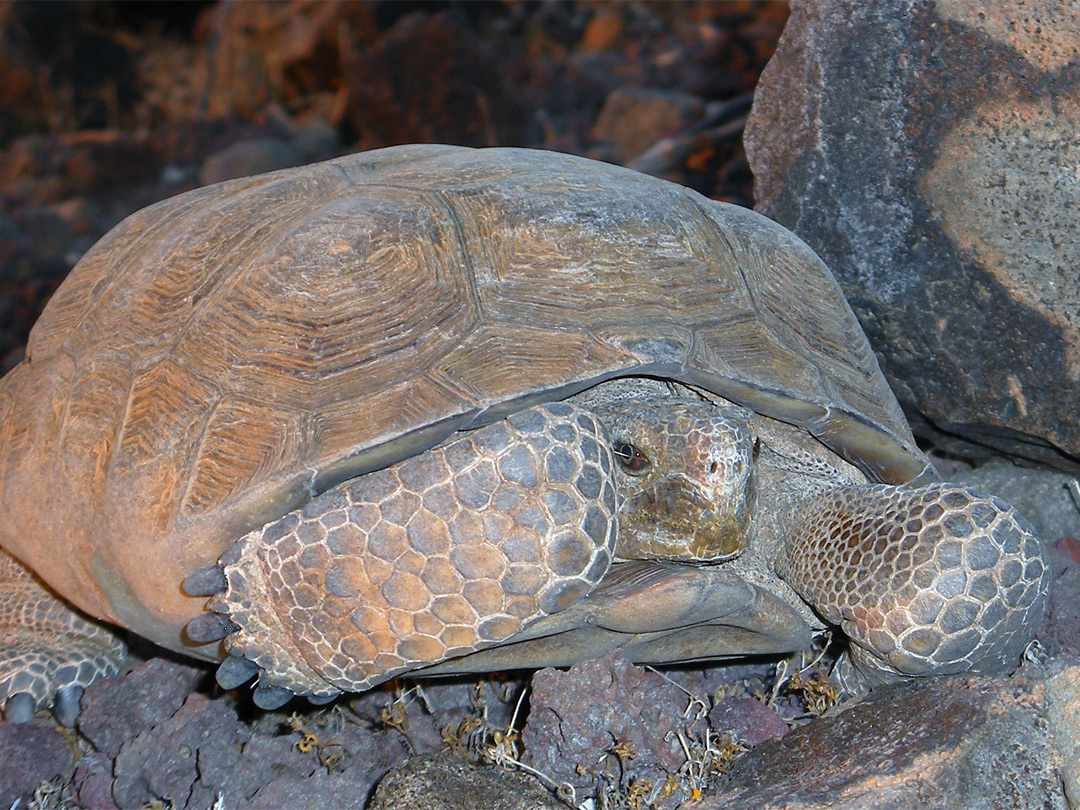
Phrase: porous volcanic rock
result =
(116, 709)
(928, 151)
(30, 755)
(606, 726)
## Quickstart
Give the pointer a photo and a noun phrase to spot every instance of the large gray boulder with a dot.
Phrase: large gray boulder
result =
(929, 152)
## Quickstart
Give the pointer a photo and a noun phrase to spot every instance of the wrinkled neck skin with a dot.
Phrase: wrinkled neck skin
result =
(792, 468)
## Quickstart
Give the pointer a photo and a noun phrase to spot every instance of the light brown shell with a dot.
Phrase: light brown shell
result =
(218, 357)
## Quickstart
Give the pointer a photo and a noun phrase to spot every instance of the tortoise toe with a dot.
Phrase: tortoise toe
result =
(205, 582)
(209, 627)
(20, 708)
(269, 697)
(68, 704)
(235, 671)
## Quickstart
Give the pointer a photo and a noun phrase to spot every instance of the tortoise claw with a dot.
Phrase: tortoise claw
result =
(205, 582)
(321, 700)
(231, 555)
(269, 697)
(20, 708)
(67, 705)
(209, 627)
(235, 671)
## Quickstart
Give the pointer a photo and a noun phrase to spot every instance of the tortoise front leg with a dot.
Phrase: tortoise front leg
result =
(440, 555)
(929, 581)
(49, 652)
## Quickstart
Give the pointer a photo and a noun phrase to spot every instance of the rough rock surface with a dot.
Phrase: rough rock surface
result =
(30, 755)
(163, 762)
(927, 151)
(604, 725)
(971, 742)
(446, 783)
(1060, 631)
(116, 709)
(1063, 692)
(392, 95)
(749, 720)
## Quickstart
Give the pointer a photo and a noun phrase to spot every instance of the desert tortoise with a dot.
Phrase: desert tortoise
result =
(433, 409)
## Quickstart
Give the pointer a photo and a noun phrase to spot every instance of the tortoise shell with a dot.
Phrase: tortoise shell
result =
(219, 357)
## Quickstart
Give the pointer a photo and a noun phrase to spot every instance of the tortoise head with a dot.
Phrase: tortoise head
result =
(686, 479)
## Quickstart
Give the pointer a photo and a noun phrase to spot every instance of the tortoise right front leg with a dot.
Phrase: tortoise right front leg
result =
(49, 652)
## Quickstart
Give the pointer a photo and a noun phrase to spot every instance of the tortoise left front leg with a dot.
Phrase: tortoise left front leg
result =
(928, 581)
(49, 652)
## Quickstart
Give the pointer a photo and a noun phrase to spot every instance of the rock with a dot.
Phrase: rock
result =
(943, 743)
(60, 70)
(30, 755)
(307, 142)
(285, 52)
(115, 709)
(52, 168)
(171, 761)
(93, 780)
(635, 118)
(394, 97)
(319, 790)
(448, 783)
(928, 152)
(1063, 687)
(262, 760)
(603, 30)
(606, 726)
(1060, 630)
(245, 158)
(748, 719)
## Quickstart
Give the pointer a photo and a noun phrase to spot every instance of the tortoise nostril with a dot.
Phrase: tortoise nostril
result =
(713, 468)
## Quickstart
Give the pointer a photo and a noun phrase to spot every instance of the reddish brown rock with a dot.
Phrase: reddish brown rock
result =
(605, 725)
(748, 719)
(259, 53)
(114, 710)
(1063, 688)
(928, 152)
(635, 118)
(166, 763)
(29, 756)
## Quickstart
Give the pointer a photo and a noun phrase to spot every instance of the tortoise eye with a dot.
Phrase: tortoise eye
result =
(632, 460)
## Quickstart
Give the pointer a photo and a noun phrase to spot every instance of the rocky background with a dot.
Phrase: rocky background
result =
(106, 107)
(928, 152)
